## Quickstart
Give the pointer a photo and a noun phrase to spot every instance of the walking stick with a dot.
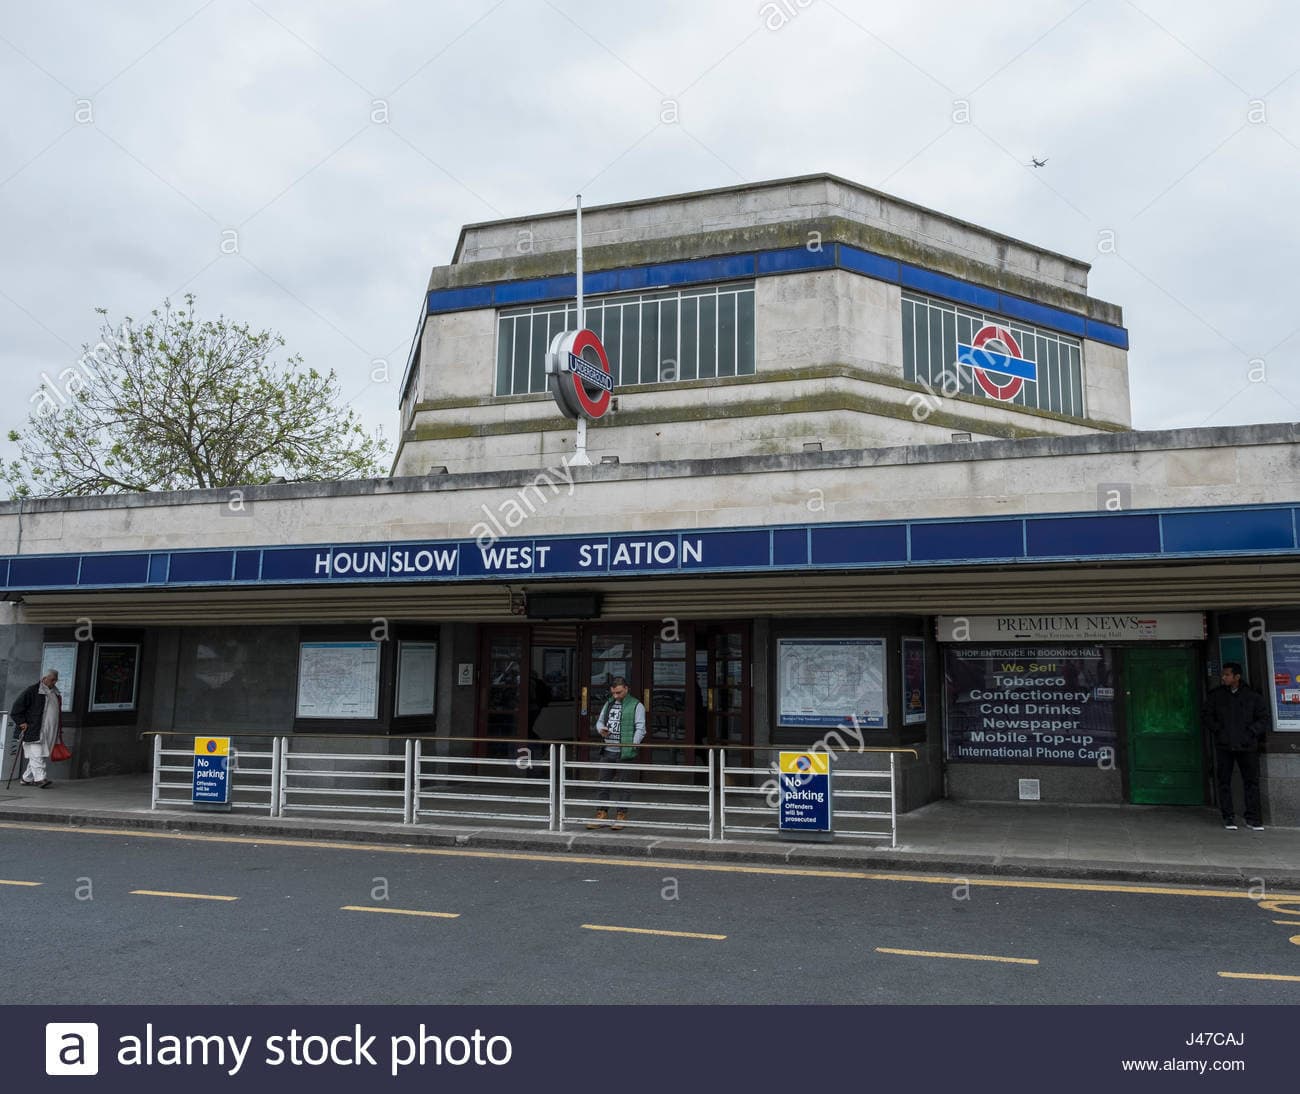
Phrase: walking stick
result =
(18, 752)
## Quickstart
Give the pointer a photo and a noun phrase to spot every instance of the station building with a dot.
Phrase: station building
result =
(864, 464)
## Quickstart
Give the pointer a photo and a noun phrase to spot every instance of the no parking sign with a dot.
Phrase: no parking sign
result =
(212, 772)
(805, 792)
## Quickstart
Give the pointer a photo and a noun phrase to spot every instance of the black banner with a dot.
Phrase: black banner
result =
(635, 1049)
(1030, 705)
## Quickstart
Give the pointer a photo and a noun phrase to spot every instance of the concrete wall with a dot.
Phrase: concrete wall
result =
(775, 202)
(1177, 468)
(827, 343)
(236, 679)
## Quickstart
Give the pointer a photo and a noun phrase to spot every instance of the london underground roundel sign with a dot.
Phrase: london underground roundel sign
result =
(995, 360)
(577, 370)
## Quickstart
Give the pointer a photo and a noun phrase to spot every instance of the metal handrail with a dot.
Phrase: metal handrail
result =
(695, 808)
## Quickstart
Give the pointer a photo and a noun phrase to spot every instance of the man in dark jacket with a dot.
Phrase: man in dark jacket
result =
(36, 715)
(1237, 717)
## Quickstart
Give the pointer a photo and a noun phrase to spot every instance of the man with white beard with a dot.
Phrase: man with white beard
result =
(37, 715)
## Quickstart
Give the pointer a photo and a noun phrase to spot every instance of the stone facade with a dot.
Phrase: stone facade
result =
(828, 349)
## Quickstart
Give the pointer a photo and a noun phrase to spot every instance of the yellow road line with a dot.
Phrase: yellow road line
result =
(25, 884)
(1287, 922)
(659, 864)
(399, 911)
(960, 956)
(646, 930)
(184, 896)
(1259, 976)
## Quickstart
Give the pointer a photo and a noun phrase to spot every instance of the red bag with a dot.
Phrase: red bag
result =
(60, 751)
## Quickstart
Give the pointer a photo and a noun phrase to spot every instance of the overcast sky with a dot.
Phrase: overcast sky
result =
(345, 145)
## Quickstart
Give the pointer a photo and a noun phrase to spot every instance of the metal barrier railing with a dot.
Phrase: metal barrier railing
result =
(545, 784)
(246, 764)
(613, 792)
(769, 810)
(444, 779)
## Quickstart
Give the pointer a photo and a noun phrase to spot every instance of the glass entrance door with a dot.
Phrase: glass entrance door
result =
(609, 653)
(503, 700)
(722, 658)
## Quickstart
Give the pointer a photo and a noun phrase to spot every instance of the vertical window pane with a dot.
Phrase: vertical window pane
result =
(650, 342)
(1074, 366)
(611, 338)
(937, 361)
(745, 333)
(519, 367)
(727, 334)
(537, 355)
(909, 348)
(948, 363)
(708, 337)
(505, 348)
(631, 345)
(1049, 383)
(690, 335)
(670, 366)
(922, 342)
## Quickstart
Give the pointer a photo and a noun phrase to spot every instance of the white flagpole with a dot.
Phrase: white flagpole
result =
(580, 457)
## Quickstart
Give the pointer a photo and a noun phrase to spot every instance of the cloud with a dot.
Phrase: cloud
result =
(257, 118)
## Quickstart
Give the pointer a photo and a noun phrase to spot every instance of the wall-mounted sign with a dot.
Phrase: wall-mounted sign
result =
(830, 682)
(114, 676)
(1034, 705)
(62, 657)
(996, 362)
(1078, 627)
(417, 676)
(577, 371)
(1284, 677)
(338, 680)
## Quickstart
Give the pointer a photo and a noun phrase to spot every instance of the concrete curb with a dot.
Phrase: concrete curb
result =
(667, 851)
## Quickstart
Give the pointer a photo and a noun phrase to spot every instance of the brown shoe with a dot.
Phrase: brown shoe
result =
(621, 815)
(601, 814)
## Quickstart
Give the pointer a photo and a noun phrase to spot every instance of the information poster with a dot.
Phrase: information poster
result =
(113, 679)
(417, 674)
(1030, 705)
(913, 681)
(1284, 672)
(830, 681)
(338, 680)
(62, 657)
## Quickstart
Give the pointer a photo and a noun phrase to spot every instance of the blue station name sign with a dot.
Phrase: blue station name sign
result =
(1155, 534)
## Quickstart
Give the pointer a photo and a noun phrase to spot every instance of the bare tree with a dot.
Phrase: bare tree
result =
(179, 403)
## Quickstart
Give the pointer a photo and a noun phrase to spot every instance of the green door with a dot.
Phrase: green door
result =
(1164, 727)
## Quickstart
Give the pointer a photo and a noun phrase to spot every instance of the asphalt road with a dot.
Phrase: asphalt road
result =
(522, 931)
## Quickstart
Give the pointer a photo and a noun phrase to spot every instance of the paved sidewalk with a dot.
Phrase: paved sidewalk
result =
(1036, 839)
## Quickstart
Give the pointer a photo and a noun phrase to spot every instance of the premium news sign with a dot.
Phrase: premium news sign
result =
(1076, 627)
(1030, 705)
